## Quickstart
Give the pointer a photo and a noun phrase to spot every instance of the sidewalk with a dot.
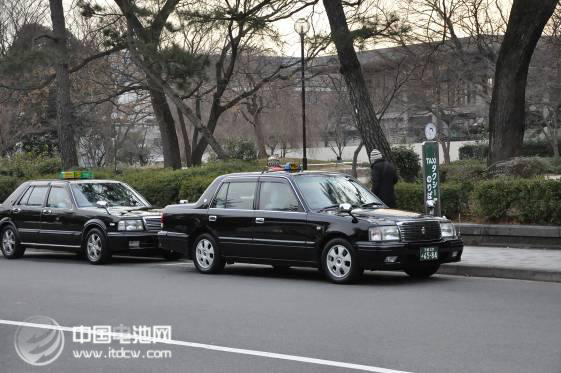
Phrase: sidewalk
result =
(521, 264)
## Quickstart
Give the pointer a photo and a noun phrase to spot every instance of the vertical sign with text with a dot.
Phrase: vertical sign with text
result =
(431, 177)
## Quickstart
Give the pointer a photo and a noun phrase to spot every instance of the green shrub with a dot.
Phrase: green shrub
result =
(525, 201)
(460, 171)
(521, 167)
(481, 151)
(409, 196)
(239, 148)
(454, 198)
(473, 151)
(407, 163)
(193, 187)
(7, 186)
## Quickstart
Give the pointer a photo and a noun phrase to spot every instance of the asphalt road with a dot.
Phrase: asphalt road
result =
(445, 324)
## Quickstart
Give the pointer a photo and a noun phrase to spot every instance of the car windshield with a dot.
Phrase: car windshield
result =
(324, 191)
(115, 194)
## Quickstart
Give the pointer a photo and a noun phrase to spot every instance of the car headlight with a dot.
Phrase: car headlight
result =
(448, 230)
(130, 225)
(387, 233)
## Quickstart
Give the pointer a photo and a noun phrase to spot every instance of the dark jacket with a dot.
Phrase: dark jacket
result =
(384, 177)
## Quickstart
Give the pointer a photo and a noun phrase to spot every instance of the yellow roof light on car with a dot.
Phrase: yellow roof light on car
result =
(74, 175)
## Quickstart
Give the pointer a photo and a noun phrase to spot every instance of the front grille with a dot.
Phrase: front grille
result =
(153, 224)
(420, 231)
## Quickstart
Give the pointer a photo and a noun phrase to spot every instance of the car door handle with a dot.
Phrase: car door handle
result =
(212, 218)
(47, 212)
(260, 220)
(16, 210)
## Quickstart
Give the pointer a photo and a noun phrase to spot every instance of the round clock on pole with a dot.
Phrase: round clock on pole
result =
(430, 131)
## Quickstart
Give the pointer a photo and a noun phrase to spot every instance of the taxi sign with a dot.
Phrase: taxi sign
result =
(291, 167)
(69, 175)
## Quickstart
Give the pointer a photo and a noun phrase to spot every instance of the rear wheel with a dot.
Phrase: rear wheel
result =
(423, 270)
(206, 255)
(340, 263)
(11, 248)
(96, 248)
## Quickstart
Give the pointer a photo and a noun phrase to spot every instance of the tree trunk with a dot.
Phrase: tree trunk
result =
(170, 144)
(185, 135)
(355, 158)
(66, 135)
(259, 137)
(367, 122)
(507, 110)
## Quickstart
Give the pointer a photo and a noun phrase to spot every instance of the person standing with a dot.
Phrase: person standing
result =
(384, 177)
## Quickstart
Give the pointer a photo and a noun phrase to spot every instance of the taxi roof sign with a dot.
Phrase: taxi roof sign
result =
(73, 175)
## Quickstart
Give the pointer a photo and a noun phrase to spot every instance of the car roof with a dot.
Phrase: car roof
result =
(285, 174)
(72, 181)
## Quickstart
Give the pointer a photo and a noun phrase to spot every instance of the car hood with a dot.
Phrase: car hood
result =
(390, 216)
(128, 212)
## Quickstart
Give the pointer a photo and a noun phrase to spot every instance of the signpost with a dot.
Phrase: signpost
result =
(431, 175)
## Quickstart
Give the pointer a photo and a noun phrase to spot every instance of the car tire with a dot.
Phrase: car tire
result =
(422, 271)
(206, 255)
(10, 245)
(171, 255)
(339, 262)
(96, 249)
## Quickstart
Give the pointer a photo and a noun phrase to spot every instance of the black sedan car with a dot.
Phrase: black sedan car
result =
(317, 219)
(93, 217)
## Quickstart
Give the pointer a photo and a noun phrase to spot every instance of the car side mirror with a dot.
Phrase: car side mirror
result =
(346, 208)
(101, 204)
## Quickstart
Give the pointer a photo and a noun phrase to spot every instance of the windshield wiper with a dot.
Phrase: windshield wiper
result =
(329, 207)
(371, 204)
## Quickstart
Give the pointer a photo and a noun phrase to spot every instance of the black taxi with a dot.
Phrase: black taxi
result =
(77, 213)
(316, 219)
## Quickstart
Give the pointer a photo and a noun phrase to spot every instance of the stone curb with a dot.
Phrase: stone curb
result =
(500, 272)
(511, 235)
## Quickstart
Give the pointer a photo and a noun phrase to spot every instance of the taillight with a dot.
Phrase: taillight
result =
(161, 220)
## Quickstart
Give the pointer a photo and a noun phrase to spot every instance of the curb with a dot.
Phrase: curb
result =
(500, 272)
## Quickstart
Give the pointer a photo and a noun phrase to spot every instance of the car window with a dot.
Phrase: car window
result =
(240, 195)
(275, 196)
(59, 198)
(220, 199)
(37, 196)
(25, 197)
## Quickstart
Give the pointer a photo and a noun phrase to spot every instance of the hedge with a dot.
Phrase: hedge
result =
(502, 200)
(480, 151)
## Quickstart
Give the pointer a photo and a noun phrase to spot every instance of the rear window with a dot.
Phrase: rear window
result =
(236, 195)
(12, 198)
(34, 196)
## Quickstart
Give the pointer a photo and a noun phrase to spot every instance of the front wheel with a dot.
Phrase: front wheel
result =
(340, 262)
(96, 248)
(11, 248)
(206, 255)
(423, 270)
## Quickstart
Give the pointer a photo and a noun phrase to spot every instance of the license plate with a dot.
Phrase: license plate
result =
(134, 244)
(428, 253)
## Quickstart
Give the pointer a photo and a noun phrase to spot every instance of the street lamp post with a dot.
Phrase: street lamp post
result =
(301, 26)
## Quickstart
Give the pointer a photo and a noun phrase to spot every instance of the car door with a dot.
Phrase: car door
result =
(231, 216)
(26, 213)
(282, 231)
(60, 225)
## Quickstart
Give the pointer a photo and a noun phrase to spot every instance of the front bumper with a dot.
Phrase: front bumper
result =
(373, 255)
(132, 241)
